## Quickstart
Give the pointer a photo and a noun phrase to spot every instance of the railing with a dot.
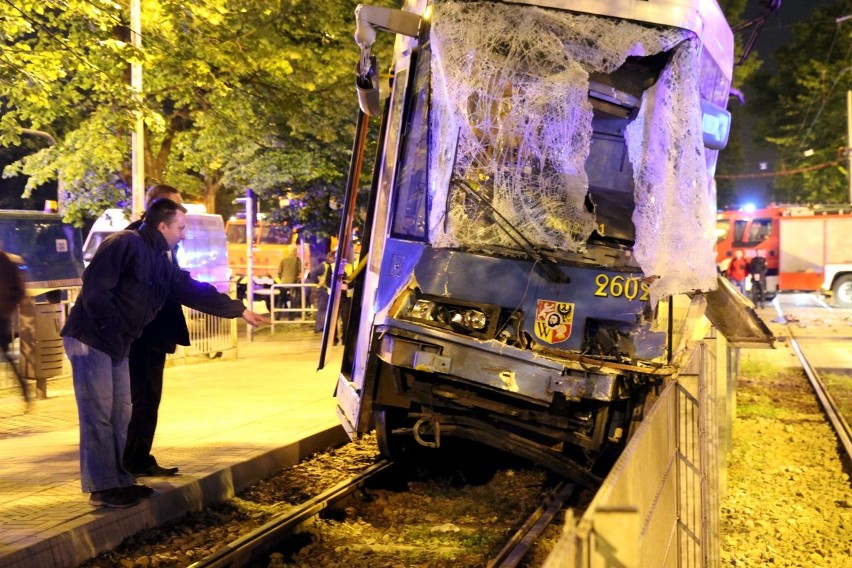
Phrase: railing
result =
(659, 505)
(209, 336)
(304, 312)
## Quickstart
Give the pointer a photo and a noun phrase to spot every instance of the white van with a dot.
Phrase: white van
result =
(204, 251)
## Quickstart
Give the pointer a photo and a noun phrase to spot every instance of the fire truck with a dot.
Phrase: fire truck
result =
(807, 246)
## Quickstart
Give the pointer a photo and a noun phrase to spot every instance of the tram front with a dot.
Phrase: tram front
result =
(542, 222)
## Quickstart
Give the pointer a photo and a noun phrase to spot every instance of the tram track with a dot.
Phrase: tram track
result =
(518, 546)
(261, 541)
(344, 508)
(829, 406)
(256, 547)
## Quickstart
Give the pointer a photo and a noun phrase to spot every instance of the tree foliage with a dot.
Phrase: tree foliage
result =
(803, 108)
(255, 93)
(62, 79)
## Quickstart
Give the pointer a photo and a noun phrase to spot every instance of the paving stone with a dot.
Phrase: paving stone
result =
(214, 415)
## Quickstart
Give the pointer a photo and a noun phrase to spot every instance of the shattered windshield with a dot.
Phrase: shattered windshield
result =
(545, 114)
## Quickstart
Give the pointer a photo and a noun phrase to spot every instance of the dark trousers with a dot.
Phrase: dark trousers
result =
(5, 343)
(758, 292)
(322, 308)
(345, 308)
(146, 389)
(290, 298)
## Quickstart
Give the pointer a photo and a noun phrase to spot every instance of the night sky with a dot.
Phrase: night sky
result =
(778, 28)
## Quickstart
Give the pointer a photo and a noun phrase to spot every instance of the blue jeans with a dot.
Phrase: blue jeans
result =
(102, 389)
(739, 285)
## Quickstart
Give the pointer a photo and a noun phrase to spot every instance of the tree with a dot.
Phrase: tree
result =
(254, 94)
(804, 109)
(61, 79)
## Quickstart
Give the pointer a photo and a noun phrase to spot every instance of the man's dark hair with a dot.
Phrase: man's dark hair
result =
(162, 211)
(159, 191)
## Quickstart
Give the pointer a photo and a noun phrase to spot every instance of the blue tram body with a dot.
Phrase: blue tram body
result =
(540, 230)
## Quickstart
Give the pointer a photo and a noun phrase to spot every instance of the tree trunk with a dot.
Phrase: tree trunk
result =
(211, 188)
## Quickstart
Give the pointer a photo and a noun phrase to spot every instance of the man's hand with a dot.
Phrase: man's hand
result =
(255, 319)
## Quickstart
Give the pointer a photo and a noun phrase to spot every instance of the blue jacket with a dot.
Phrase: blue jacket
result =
(126, 284)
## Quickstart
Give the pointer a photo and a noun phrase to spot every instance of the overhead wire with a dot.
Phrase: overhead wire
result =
(811, 102)
(803, 139)
(782, 172)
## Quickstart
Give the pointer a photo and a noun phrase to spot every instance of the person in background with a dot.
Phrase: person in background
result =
(147, 360)
(757, 269)
(12, 293)
(346, 294)
(126, 284)
(323, 278)
(738, 270)
(290, 272)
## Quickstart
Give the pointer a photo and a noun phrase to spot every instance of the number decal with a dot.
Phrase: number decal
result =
(621, 287)
(616, 286)
(631, 288)
(601, 280)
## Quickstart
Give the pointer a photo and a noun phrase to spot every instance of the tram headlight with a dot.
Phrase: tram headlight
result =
(472, 319)
(423, 309)
(462, 317)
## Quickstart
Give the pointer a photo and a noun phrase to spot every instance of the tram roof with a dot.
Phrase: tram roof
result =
(702, 17)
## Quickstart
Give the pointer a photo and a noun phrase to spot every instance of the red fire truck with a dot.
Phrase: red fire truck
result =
(807, 247)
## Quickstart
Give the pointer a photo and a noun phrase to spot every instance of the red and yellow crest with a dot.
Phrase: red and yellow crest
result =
(553, 321)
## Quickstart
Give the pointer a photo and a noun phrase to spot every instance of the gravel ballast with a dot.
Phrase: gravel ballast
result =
(788, 500)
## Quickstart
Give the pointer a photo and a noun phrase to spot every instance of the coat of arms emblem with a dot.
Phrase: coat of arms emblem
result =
(553, 321)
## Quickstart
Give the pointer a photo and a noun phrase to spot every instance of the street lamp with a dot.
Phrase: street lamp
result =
(839, 21)
(849, 141)
(137, 154)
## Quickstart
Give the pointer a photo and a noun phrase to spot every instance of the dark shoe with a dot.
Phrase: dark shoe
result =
(155, 471)
(140, 491)
(114, 498)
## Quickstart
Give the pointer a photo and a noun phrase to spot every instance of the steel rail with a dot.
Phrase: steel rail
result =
(251, 546)
(826, 401)
(520, 543)
(829, 406)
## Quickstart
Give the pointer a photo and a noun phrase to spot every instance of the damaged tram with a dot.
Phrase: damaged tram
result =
(541, 223)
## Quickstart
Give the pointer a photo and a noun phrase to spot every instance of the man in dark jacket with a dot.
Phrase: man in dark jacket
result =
(126, 284)
(147, 361)
(757, 269)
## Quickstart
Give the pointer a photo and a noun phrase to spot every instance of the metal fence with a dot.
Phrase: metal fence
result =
(209, 336)
(659, 506)
(39, 355)
(302, 310)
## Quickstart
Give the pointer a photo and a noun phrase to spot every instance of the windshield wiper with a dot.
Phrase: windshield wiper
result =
(547, 265)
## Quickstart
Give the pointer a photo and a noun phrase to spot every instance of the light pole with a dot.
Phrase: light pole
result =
(137, 141)
(849, 142)
(839, 21)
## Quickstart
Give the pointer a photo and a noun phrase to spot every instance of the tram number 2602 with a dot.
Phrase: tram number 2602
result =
(631, 288)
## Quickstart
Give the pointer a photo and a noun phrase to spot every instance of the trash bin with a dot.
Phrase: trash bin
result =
(42, 354)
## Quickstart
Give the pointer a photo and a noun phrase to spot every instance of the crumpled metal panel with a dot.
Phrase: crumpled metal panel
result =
(734, 316)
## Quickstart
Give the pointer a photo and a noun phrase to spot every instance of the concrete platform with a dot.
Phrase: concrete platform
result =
(226, 424)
